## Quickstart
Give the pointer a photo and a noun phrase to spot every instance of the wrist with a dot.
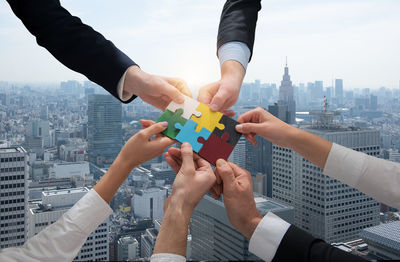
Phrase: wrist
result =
(292, 136)
(179, 205)
(134, 76)
(251, 226)
(232, 69)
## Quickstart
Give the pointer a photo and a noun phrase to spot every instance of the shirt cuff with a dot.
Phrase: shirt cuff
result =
(235, 50)
(122, 94)
(267, 237)
(166, 257)
(344, 164)
(92, 204)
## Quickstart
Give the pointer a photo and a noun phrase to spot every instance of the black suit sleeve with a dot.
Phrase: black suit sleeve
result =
(76, 45)
(297, 245)
(238, 22)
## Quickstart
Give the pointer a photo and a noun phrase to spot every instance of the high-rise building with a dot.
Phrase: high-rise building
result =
(104, 129)
(286, 96)
(13, 196)
(147, 242)
(373, 102)
(53, 205)
(325, 207)
(339, 90)
(213, 236)
(149, 203)
(238, 155)
(127, 248)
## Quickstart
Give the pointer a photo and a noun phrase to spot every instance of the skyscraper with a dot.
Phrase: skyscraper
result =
(325, 207)
(213, 236)
(104, 129)
(339, 90)
(13, 196)
(286, 96)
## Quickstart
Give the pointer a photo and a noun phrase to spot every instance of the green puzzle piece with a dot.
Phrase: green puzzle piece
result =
(172, 118)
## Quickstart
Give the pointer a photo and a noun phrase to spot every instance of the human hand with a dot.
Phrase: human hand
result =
(158, 91)
(223, 94)
(145, 145)
(194, 177)
(238, 197)
(260, 122)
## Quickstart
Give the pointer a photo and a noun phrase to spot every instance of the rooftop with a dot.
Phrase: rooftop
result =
(387, 235)
(12, 150)
(65, 191)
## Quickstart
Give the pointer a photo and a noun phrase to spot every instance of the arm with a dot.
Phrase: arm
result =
(62, 240)
(235, 46)
(194, 178)
(271, 238)
(353, 168)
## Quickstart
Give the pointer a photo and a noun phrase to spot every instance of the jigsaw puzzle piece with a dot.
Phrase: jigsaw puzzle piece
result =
(188, 134)
(172, 118)
(208, 120)
(230, 125)
(189, 107)
(215, 147)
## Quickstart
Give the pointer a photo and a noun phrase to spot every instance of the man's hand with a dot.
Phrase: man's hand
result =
(223, 94)
(238, 197)
(158, 91)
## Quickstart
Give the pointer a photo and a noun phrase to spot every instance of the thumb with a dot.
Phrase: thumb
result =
(225, 171)
(173, 93)
(154, 129)
(247, 128)
(218, 101)
(187, 157)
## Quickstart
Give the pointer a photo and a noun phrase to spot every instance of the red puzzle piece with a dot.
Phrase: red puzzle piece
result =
(215, 147)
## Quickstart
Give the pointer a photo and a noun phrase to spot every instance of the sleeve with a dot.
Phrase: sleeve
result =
(165, 257)
(237, 51)
(298, 245)
(123, 95)
(373, 176)
(75, 44)
(238, 22)
(267, 237)
(62, 240)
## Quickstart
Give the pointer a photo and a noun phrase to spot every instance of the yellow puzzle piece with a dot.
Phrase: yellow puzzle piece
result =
(208, 119)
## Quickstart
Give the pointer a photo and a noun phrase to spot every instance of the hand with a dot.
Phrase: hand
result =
(223, 94)
(238, 197)
(141, 147)
(156, 90)
(194, 177)
(260, 122)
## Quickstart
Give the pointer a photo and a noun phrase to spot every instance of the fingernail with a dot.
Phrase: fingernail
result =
(239, 128)
(164, 123)
(220, 163)
(186, 144)
(214, 107)
(181, 100)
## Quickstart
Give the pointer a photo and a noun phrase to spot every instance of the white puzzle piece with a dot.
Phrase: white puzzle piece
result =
(189, 107)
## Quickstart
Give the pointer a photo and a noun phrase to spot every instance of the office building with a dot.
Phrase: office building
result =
(213, 236)
(104, 129)
(53, 205)
(127, 248)
(238, 155)
(325, 207)
(40, 128)
(339, 90)
(286, 96)
(13, 196)
(147, 242)
(383, 240)
(149, 203)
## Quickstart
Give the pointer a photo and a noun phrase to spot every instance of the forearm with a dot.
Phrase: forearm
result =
(312, 147)
(172, 237)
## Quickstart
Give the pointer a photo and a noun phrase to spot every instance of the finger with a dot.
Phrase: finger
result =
(175, 166)
(226, 173)
(213, 194)
(248, 128)
(250, 137)
(237, 170)
(217, 189)
(250, 116)
(207, 92)
(154, 129)
(187, 156)
(229, 113)
(180, 84)
(219, 100)
(163, 141)
(146, 123)
(172, 93)
(174, 152)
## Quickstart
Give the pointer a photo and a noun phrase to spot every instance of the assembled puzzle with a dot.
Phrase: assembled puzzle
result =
(211, 134)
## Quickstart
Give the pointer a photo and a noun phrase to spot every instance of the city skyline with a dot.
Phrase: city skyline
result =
(353, 40)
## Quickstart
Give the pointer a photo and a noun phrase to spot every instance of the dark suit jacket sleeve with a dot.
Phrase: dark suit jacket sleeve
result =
(238, 22)
(298, 245)
(76, 45)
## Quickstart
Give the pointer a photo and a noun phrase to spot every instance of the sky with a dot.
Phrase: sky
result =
(356, 40)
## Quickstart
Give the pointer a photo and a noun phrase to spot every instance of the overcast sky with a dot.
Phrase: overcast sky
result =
(357, 40)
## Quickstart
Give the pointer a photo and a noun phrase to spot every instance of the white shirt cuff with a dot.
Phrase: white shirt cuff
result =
(166, 257)
(122, 94)
(267, 237)
(235, 50)
(344, 164)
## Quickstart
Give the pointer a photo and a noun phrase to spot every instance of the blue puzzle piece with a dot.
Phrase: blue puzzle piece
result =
(188, 134)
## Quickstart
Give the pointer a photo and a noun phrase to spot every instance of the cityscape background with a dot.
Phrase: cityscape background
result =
(340, 81)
